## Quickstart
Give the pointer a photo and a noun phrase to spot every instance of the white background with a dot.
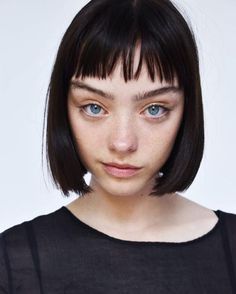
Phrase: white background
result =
(30, 33)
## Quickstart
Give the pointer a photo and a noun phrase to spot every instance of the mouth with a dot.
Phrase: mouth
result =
(124, 166)
(121, 171)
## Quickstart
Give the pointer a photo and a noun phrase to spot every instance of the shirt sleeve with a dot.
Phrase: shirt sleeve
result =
(4, 272)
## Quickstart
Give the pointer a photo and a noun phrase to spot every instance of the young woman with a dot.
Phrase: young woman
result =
(124, 103)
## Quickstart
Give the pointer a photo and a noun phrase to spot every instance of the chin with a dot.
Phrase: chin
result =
(123, 189)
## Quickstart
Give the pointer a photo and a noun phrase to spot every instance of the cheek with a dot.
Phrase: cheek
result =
(157, 148)
(162, 134)
(87, 135)
(159, 140)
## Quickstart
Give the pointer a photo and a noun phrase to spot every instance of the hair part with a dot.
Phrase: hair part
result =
(103, 34)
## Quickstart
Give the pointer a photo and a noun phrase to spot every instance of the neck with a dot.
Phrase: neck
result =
(125, 211)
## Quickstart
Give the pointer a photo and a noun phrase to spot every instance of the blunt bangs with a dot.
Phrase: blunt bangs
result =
(103, 34)
(100, 53)
(99, 43)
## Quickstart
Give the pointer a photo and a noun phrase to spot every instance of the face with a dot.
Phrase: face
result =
(113, 121)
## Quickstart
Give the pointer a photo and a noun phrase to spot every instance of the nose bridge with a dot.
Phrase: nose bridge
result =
(123, 133)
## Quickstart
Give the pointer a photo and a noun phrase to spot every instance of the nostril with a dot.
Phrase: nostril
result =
(122, 146)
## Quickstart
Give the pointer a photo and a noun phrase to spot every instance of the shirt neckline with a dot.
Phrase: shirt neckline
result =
(156, 243)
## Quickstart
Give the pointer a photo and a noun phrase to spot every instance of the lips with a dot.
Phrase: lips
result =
(121, 171)
(122, 166)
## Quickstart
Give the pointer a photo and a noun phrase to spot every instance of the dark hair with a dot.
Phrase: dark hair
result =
(103, 33)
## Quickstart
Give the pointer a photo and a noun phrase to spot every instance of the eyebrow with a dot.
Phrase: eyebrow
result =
(137, 97)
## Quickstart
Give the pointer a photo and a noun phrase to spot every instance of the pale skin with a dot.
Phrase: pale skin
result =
(132, 132)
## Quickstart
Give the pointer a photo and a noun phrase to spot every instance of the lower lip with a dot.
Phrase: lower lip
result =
(121, 172)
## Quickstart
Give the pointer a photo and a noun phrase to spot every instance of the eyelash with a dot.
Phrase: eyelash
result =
(166, 110)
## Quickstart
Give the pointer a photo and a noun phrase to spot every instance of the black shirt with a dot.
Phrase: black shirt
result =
(57, 253)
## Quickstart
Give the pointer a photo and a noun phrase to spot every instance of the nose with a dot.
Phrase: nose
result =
(123, 135)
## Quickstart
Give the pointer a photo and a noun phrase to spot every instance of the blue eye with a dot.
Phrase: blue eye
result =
(156, 109)
(94, 108)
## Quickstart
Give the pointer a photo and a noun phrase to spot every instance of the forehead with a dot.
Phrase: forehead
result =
(116, 83)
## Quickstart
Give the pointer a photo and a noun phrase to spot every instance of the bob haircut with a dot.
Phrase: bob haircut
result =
(103, 33)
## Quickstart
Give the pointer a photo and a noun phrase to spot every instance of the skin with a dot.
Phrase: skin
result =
(126, 131)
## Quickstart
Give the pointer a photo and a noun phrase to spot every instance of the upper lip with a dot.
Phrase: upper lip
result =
(118, 165)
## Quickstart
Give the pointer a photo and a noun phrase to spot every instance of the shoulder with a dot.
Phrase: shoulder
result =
(41, 221)
(228, 232)
(18, 244)
(229, 221)
(20, 235)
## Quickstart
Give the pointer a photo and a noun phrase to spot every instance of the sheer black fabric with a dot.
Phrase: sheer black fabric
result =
(59, 254)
